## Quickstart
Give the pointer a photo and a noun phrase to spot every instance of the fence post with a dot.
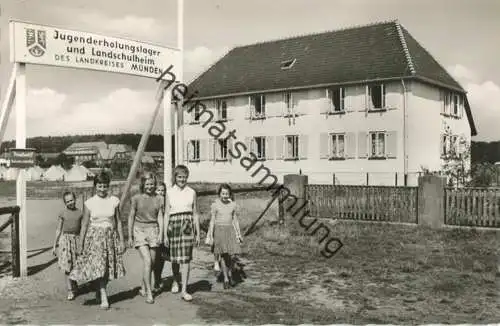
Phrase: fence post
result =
(334, 179)
(367, 179)
(396, 179)
(295, 186)
(431, 201)
(16, 257)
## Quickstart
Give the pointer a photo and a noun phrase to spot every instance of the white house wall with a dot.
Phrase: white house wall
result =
(310, 123)
(426, 124)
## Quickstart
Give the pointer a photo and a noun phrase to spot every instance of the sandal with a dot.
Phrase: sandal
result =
(150, 300)
(226, 285)
(71, 295)
(187, 297)
(105, 305)
(142, 292)
(175, 288)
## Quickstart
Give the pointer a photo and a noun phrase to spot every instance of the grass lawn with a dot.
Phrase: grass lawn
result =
(383, 274)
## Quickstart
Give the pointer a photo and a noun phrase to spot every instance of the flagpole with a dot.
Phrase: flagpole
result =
(179, 108)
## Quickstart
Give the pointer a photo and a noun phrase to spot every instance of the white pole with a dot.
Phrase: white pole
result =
(180, 109)
(21, 181)
(167, 138)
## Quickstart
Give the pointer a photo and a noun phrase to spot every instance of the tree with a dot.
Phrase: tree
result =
(483, 174)
(456, 159)
(65, 161)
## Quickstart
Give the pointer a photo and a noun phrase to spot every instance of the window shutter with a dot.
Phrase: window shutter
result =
(211, 149)
(324, 150)
(461, 107)
(186, 150)
(270, 147)
(187, 117)
(217, 149)
(303, 146)
(279, 149)
(248, 144)
(325, 107)
(350, 145)
(391, 144)
(441, 145)
(248, 114)
(203, 149)
(229, 149)
(362, 144)
(442, 101)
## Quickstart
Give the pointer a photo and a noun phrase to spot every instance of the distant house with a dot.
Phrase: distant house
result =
(113, 152)
(156, 156)
(83, 152)
(98, 152)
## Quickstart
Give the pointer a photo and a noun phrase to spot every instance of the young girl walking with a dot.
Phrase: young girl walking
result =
(66, 241)
(101, 240)
(182, 228)
(224, 231)
(144, 224)
(162, 254)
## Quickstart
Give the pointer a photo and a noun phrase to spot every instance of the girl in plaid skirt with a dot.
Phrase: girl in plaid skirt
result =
(182, 228)
(66, 241)
(101, 240)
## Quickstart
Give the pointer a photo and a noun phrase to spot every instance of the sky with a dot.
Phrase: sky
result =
(61, 101)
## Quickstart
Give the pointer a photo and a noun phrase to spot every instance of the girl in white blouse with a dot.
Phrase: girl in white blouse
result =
(182, 228)
(101, 240)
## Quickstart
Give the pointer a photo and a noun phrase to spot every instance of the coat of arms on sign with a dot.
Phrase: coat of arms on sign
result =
(36, 42)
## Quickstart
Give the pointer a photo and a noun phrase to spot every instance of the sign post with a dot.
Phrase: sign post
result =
(57, 47)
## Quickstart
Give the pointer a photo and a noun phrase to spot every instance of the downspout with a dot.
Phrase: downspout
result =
(405, 121)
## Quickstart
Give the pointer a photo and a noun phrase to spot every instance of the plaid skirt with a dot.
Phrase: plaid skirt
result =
(67, 253)
(101, 256)
(180, 233)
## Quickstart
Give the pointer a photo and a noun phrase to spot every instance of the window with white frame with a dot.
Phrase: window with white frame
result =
(453, 104)
(377, 144)
(292, 147)
(221, 107)
(221, 149)
(337, 145)
(376, 97)
(194, 150)
(259, 147)
(258, 106)
(288, 98)
(337, 99)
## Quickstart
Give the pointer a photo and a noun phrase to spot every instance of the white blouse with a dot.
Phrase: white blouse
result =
(102, 210)
(180, 200)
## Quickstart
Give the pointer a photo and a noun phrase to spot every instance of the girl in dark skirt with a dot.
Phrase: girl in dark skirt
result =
(224, 231)
(182, 228)
(161, 190)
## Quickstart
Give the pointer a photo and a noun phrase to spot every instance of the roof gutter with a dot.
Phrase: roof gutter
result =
(276, 90)
(356, 82)
(405, 125)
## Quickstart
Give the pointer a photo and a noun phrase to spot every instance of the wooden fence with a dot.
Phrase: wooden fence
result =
(369, 203)
(13, 221)
(472, 206)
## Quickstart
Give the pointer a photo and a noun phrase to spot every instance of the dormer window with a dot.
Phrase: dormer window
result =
(287, 64)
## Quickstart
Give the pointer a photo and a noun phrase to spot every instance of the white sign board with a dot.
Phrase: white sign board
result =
(45, 45)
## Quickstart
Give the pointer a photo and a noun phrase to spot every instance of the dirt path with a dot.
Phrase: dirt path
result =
(41, 298)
